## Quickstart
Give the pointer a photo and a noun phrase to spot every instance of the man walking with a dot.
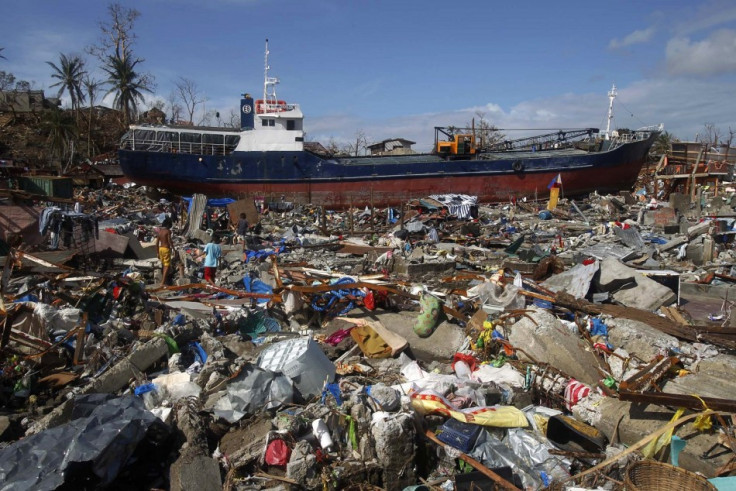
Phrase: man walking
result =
(164, 245)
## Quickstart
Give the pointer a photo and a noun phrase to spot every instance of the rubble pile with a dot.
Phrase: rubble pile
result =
(437, 346)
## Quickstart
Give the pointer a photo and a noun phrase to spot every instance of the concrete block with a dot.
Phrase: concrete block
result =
(698, 229)
(138, 360)
(113, 380)
(195, 473)
(302, 463)
(416, 270)
(639, 339)
(673, 243)
(680, 202)
(394, 436)
(547, 340)
(646, 295)
(695, 252)
(575, 281)
(663, 217)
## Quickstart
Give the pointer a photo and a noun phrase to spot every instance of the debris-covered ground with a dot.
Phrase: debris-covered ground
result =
(443, 345)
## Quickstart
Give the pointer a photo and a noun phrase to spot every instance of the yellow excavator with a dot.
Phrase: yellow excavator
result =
(459, 144)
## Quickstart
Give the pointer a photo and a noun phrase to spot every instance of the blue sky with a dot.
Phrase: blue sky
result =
(398, 68)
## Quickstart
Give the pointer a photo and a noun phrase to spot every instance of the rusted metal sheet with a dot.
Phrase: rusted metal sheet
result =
(21, 220)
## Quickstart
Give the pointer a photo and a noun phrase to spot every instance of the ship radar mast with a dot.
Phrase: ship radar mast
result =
(611, 96)
(269, 82)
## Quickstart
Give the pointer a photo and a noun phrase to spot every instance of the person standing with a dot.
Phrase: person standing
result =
(211, 252)
(164, 245)
(242, 228)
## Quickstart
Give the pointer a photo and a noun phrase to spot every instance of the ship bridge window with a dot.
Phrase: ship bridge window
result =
(168, 140)
(191, 142)
(144, 139)
(231, 141)
(268, 122)
(213, 144)
(290, 124)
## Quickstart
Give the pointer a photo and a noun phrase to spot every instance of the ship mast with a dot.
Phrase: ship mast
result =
(269, 98)
(611, 96)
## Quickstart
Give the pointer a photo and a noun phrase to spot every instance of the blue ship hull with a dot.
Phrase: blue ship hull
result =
(304, 177)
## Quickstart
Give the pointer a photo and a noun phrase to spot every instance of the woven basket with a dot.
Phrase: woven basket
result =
(650, 475)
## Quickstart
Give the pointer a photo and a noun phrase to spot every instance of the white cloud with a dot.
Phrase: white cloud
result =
(683, 105)
(636, 37)
(708, 15)
(713, 55)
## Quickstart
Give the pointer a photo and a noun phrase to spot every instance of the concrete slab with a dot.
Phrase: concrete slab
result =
(109, 243)
(441, 345)
(639, 339)
(633, 422)
(547, 340)
(714, 378)
(575, 281)
(647, 294)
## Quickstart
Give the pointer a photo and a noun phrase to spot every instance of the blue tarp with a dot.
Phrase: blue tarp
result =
(254, 285)
(212, 203)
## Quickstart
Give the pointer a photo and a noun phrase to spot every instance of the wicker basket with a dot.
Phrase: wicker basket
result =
(650, 475)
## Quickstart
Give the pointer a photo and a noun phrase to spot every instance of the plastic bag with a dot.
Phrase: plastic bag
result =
(278, 453)
(428, 402)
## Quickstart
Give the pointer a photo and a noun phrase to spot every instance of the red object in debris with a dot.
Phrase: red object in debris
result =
(369, 301)
(470, 360)
(602, 347)
(278, 453)
(588, 262)
(574, 392)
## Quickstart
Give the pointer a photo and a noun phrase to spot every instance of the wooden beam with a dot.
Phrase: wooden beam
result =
(678, 400)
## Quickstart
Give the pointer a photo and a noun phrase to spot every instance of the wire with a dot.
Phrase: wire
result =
(632, 115)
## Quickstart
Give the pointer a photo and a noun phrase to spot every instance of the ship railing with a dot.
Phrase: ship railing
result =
(177, 147)
(636, 135)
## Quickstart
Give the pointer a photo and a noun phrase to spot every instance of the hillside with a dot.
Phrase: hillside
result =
(26, 138)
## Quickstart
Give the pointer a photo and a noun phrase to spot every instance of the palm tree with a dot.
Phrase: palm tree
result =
(1, 56)
(663, 143)
(126, 84)
(62, 130)
(70, 73)
(92, 87)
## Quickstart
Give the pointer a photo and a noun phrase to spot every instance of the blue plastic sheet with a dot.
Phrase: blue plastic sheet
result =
(324, 302)
(333, 389)
(200, 354)
(254, 285)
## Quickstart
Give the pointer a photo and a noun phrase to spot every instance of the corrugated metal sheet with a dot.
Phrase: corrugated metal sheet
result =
(57, 187)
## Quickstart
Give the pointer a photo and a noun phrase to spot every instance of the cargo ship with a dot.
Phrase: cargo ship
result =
(266, 158)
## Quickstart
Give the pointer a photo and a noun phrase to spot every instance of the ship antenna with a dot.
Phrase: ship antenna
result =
(268, 81)
(611, 96)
